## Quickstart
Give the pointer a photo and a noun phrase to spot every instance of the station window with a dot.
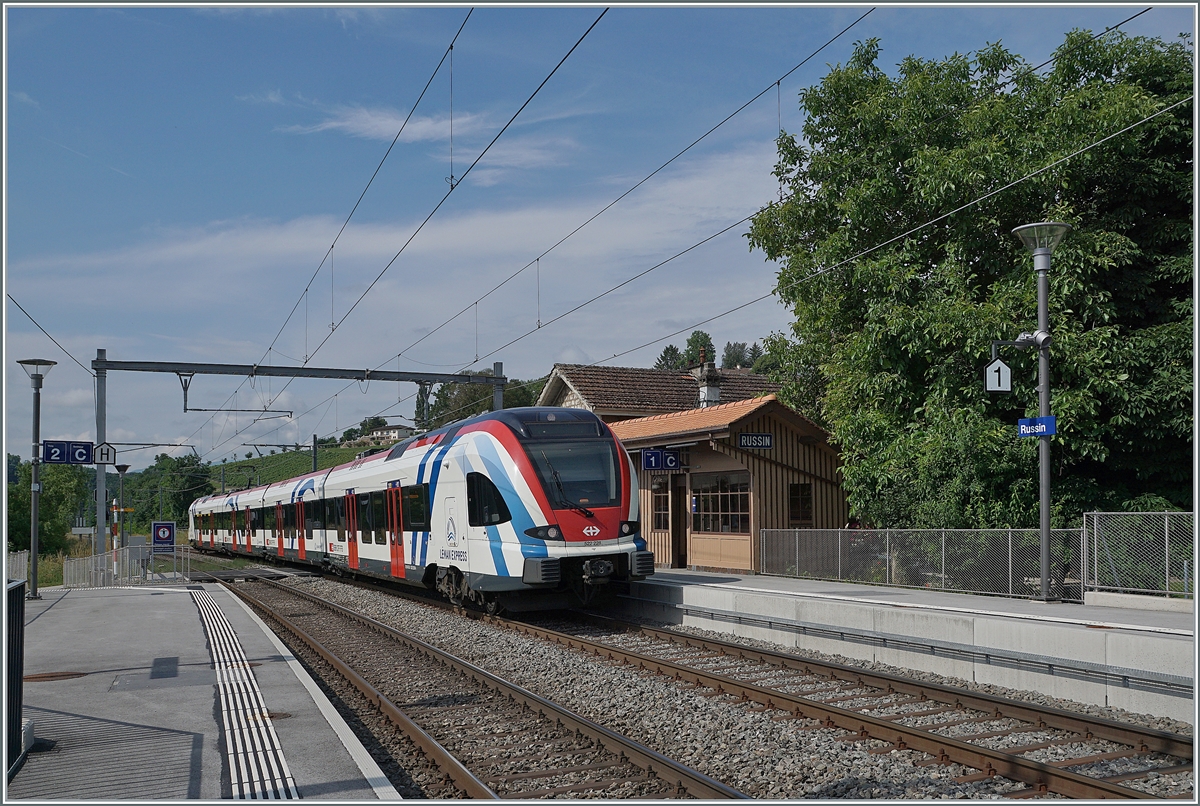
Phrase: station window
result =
(721, 503)
(660, 503)
(485, 505)
(800, 504)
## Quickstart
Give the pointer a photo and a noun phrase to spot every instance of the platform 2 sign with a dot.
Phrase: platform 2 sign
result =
(1037, 426)
(163, 536)
(66, 453)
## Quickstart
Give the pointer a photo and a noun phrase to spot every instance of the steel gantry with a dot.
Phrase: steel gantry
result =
(185, 370)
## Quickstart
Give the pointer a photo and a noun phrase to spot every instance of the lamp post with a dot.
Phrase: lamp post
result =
(1041, 239)
(121, 469)
(36, 369)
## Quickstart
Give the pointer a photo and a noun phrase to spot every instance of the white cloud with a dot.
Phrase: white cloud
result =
(23, 98)
(221, 292)
(269, 97)
(383, 123)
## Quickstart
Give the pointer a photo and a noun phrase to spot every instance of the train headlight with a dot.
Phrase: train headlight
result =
(629, 527)
(548, 532)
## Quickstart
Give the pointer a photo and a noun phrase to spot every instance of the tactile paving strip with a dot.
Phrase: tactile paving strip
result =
(257, 768)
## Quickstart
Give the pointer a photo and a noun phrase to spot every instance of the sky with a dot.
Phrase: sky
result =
(175, 178)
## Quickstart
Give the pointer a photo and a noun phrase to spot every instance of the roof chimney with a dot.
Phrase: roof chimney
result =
(710, 381)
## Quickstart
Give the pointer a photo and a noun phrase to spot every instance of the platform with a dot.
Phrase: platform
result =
(1138, 660)
(175, 692)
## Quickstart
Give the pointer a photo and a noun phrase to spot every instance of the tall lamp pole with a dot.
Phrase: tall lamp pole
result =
(121, 469)
(36, 369)
(1041, 239)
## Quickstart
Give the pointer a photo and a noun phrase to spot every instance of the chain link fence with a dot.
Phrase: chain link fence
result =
(16, 566)
(1005, 562)
(1141, 552)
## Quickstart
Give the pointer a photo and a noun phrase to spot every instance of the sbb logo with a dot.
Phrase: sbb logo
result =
(591, 531)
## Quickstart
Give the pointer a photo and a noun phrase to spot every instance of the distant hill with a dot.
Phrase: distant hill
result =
(277, 467)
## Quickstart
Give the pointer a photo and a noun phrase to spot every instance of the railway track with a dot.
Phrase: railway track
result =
(1049, 750)
(490, 738)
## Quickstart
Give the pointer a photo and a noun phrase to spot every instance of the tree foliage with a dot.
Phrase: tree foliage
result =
(735, 355)
(64, 494)
(888, 344)
(165, 489)
(456, 401)
(691, 350)
(669, 358)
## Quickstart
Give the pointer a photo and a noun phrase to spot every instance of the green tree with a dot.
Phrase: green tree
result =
(735, 355)
(753, 353)
(669, 358)
(64, 489)
(888, 344)
(691, 351)
(456, 401)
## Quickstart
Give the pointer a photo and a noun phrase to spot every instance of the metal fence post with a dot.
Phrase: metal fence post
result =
(1167, 549)
(943, 559)
(887, 570)
(839, 553)
(1010, 568)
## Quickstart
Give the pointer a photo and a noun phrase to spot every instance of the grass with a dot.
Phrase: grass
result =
(278, 467)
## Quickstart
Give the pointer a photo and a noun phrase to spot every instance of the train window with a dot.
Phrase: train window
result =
(379, 518)
(268, 518)
(485, 505)
(364, 516)
(289, 516)
(335, 517)
(314, 514)
(256, 518)
(415, 503)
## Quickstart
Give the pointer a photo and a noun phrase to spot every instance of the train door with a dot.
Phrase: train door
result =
(395, 529)
(351, 504)
(303, 532)
(249, 522)
(277, 531)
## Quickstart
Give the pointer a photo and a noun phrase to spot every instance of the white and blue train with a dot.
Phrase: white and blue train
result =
(517, 509)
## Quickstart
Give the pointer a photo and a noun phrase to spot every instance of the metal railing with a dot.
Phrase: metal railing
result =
(1003, 562)
(14, 656)
(16, 566)
(132, 565)
(1141, 552)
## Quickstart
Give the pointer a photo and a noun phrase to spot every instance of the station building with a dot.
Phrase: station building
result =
(718, 457)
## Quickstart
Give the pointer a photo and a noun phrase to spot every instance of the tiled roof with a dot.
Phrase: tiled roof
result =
(639, 389)
(712, 418)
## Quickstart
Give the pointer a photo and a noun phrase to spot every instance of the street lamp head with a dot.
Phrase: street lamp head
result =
(37, 366)
(122, 468)
(1044, 235)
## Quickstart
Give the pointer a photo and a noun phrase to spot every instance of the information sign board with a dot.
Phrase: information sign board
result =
(1037, 426)
(54, 452)
(163, 537)
(652, 459)
(106, 454)
(760, 442)
(997, 377)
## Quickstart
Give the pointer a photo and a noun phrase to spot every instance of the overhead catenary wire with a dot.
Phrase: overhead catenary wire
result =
(855, 257)
(451, 190)
(47, 334)
(353, 210)
(648, 177)
(864, 252)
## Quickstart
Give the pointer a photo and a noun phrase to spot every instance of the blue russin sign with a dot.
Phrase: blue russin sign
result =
(1037, 426)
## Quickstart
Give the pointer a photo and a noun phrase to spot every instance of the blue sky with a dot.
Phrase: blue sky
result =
(174, 176)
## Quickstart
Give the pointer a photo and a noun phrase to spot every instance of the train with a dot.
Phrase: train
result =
(518, 509)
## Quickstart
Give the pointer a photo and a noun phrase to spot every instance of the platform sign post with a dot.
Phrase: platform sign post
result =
(162, 541)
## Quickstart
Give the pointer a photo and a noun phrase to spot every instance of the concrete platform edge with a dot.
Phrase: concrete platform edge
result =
(374, 775)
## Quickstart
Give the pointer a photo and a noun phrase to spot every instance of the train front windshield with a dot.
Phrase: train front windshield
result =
(573, 469)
